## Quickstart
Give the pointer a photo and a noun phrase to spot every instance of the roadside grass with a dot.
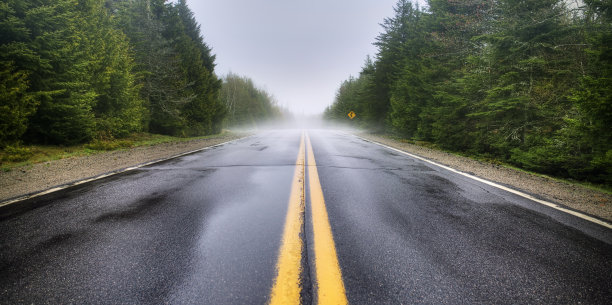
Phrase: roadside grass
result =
(607, 189)
(19, 156)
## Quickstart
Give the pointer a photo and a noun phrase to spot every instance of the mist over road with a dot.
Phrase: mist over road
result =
(213, 227)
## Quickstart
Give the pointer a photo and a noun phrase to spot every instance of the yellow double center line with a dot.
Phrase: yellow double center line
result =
(287, 286)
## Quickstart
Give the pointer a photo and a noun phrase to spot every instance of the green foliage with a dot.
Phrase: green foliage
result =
(109, 144)
(16, 104)
(176, 67)
(118, 109)
(16, 153)
(353, 95)
(247, 105)
(74, 70)
(524, 82)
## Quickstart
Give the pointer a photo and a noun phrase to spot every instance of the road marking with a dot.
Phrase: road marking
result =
(507, 189)
(287, 286)
(330, 288)
(98, 177)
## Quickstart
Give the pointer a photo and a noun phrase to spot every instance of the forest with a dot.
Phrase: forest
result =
(74, 71)
(523, 82)
(247, 105)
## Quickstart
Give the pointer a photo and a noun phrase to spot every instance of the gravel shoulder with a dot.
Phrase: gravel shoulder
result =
(42, 176)
(573, 196)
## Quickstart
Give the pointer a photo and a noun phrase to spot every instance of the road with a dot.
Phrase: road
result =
(298, 216)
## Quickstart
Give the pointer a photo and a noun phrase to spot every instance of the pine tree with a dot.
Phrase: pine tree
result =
(16, 103)
(60, 79)
(118, 109)
(462, 67)
(204, 112)
(521, 47)
(175, 66)
(388, 63)
(523, 81)
(587, 133)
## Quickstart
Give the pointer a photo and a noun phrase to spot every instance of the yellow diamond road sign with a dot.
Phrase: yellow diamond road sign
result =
(352, 115)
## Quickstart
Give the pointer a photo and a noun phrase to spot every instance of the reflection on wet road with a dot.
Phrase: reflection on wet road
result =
(209, 228)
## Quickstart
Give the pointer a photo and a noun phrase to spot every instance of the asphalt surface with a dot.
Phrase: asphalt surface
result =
(206, 229)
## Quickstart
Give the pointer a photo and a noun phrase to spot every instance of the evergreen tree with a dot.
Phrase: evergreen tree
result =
(157, 64)
(354, 95)
(461, 68)
(587, 132)
(16, 103)
(118, 109)
(205, 112)
(388, 64)
(78, 68)
(522, 48)
(411, 91)
(175, 65)
(523, 81)
(60, 79)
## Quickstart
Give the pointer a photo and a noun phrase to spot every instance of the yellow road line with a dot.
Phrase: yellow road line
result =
(287, 286)
(328, 275)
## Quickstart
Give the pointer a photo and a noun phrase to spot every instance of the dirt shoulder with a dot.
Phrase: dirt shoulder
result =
(42, 176)
(574, 196)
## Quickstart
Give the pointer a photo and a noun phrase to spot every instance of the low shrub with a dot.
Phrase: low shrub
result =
(109, 145)
(16, 153)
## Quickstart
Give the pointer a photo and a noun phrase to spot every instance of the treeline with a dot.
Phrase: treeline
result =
(75, 70)
(528, 82)
(247, 105)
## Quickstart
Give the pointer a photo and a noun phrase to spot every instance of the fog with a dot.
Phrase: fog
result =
(292, 121)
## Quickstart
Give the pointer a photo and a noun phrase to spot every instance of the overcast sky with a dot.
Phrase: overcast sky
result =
(297, 50)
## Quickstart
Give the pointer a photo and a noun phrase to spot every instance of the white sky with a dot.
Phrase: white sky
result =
(299, 51)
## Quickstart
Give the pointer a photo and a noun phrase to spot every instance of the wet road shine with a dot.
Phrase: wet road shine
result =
(287, 287)
(298, 217)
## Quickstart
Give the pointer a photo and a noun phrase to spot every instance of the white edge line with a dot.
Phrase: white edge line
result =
(119, 171)
(507, 189)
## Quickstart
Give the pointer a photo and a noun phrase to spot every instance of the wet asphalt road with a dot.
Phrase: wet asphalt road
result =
(206, 229)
